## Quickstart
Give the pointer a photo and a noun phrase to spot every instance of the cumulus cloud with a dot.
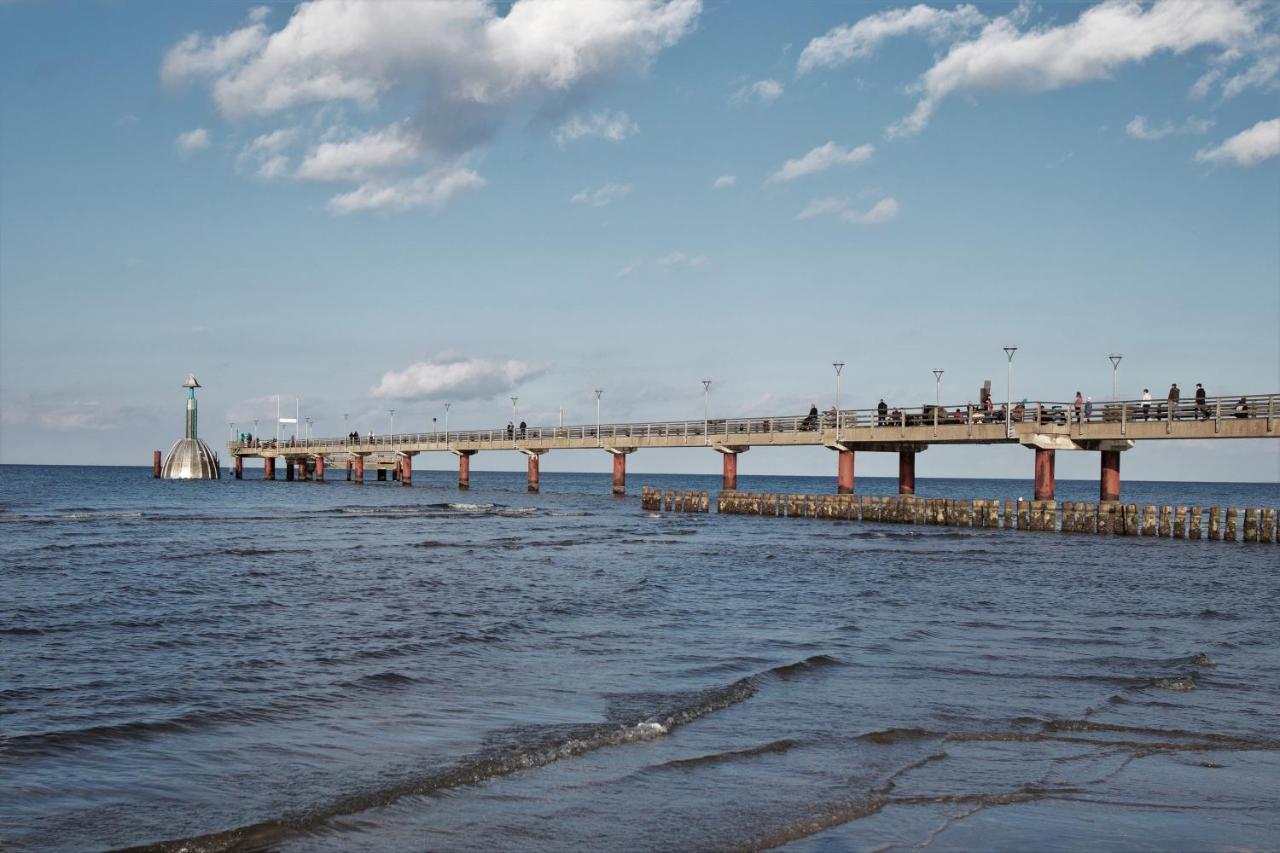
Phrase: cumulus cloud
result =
(263, 155)
(724, 182)
(470, 66)
(607, 194)
(857, 41)
(1247, 148)
(1140, 128)
(192, 141)
(884, 210)
(761, 91)
(606, 125)
(455, 378)
(1100, 41)
(436, 188)
(820, 159)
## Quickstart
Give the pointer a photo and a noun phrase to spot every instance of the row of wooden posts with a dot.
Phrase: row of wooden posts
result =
(1116, 518)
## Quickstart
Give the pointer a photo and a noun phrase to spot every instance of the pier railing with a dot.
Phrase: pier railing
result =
(945, 421)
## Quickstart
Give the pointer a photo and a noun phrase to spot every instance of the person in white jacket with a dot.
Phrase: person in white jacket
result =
(1146, 403)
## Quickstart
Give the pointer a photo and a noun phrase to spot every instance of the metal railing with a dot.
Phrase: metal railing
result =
(944, 420)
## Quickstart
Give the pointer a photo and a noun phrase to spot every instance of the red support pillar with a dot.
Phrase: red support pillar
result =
(464, 470)
(302, 469)
(906, 472)
(1110, 486)
(239, 467)
(1044, 488)
(730, 472)
(533, 472)
(619, 473)
(844, 473)
(319, 468)
(268, 467)
(406, 470)
(359, 466)
(155, 464)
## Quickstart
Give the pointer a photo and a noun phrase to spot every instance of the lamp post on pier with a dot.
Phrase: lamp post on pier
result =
(839, 366)
(392, 413)
(598, 392)
(446, 422)
(1008, 397)
(706, 410)
(255, 427)
(937, 388)
(308, 420)
(1115, 365)
(231, 430)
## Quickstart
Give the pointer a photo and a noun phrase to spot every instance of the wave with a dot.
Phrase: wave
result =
(529, 749)
(773, 747)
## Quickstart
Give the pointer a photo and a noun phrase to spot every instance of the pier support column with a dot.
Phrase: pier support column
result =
(1109, 488)
(359, 467)
(1044, 485)
(844, 473)
(288, 469)
(348, 470)
(239, 467)
(155, 464)
(534, 483)
(268, 467)
(464, 468)
(406, 470)
(906, 472)
(730, 454)
(382, 475)
(319, 469)
(619, 468)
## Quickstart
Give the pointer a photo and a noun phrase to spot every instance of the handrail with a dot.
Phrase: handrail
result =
(894, 421)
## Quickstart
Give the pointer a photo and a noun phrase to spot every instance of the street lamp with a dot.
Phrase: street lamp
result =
(839, 366)
(706, 409)
(392, 413)
(446, 422)
(937, 388)
(1008, 399)
(308, 420)
(598, 392)
(1115, 364)
(433, 427)
(255, 426)
(231, 430)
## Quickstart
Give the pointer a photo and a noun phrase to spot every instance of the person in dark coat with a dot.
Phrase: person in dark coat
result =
(1174, 396)
(882, 412)
(1202, 405)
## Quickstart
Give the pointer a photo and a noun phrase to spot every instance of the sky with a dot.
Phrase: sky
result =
(369, 206)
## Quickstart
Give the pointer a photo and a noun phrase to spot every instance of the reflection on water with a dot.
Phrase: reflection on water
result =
(239, 665)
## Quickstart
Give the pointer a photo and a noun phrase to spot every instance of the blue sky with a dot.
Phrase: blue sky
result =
(394, 205)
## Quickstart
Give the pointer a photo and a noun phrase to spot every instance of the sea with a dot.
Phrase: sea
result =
(302, 666)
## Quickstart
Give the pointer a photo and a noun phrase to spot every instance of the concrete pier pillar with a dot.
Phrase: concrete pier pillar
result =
(464, 468)
(1044, 484)
(382, 475)
(845, 482)
(907, 472)
(348, 470)
(268, 467)
(319, 469)
(239, 467)
(395, 472)
(534, 484)
(406, 470)
(730, 472)
(1109, 489)
(302, 468)
(619, 473)
(155, 464)
(359, 467)
(288, 469)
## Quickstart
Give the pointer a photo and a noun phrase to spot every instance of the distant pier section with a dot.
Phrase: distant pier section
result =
(1043, 427)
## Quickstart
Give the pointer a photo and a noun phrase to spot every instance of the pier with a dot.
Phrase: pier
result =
(1043, 427)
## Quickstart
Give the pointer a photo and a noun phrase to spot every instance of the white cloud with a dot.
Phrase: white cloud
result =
(436, 188)
(724, 182)
(884, 210)
(602, 196)
(263, 155)
(469, 65)
(1247, 148)
(610, 126)
(857, 41)
(357, 159)
(1104, 38)
(1139, 128)
(761, 91)
(192, 141)
(682, 260)
(455, 378)
(820, 159)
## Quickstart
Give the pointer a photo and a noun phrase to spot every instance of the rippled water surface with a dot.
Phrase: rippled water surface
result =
(303, 666)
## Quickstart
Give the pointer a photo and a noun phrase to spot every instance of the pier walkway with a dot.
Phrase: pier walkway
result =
(1045, 427)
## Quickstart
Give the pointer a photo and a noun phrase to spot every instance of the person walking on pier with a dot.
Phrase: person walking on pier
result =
(511, 430)
(523, 429)
(1174, 396)
(1088, 408)
(1202, 406)
(1079, 405)
(1146, 403)
(882, 412)
(1242, 408)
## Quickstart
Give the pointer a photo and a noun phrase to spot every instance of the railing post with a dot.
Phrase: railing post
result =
(1271, 410)
(1217, 416)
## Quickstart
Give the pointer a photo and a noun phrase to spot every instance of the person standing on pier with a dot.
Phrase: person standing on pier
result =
(1079, 405)
(1174, 396)
(1146, 403)
(882, 412)
(1202, 406)
(1088, 408)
